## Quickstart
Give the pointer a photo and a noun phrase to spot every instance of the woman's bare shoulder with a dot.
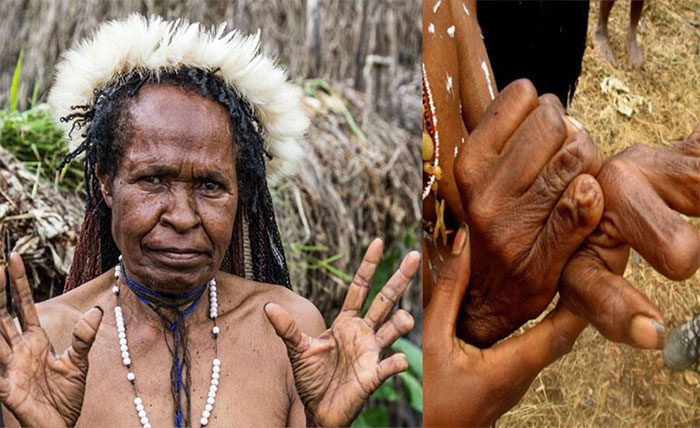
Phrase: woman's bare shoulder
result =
(258, 293)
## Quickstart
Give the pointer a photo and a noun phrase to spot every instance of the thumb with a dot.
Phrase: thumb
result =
(286, 328)
(84, 334)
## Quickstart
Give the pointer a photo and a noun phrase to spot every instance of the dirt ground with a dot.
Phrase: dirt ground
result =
(601, 383)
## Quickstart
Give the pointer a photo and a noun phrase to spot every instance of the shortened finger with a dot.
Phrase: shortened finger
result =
(361, 282)
(22, 293)
(84, 334)
(392, 365)
(286, 328)
(392, 291)
(399, 324)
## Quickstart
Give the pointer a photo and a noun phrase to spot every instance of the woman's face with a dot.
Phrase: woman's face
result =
(174, 194)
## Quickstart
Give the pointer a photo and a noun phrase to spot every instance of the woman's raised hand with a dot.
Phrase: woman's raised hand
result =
(37, 386)
(337, 371)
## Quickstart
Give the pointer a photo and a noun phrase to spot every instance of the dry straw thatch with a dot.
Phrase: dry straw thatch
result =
(600, 383)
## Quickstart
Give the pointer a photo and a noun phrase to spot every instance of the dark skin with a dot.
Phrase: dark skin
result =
(173, 201)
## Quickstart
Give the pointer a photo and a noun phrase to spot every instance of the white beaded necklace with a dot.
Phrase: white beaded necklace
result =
(126, 359)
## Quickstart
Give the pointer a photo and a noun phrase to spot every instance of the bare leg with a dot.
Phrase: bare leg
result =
(601, 42)
(635, 58)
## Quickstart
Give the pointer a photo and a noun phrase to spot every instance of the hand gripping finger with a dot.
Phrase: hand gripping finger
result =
(392, 291)
(361, 282)
(399, 324)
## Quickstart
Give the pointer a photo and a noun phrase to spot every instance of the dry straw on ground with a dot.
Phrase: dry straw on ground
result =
(600, 383)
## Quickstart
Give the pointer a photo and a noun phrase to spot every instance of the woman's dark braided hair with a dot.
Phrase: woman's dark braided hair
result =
(106, 126)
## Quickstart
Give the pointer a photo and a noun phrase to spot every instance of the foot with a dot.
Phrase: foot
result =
(635, 58)
(601, 43)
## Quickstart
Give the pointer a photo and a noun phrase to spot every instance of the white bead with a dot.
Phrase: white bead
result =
(122, 335)
(215, 381)
(203, 421)
(146, 425)
(215, 329)
(215, 376)
(212, 315)
(125, 355)
(213, 388)
(208, 407)
(122, 341)
(212, 289)
(120, 257)
(121, 329)
(126, 361)
(137, 401)
(115, 290)
(211, 394)
(144, 420)
(210, 401)
(216, 369)
(142, 413)
(118, 308)
(139, 407)
(206, 414)
(216, 362)
(124, 348)
(131, 376)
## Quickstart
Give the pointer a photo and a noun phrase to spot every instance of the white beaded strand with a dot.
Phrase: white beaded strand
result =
(126, 359)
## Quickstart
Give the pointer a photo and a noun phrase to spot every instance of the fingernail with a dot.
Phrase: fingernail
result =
(646, 332)
(460, 241)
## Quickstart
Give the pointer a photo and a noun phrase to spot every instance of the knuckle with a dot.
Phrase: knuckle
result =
(523, 89)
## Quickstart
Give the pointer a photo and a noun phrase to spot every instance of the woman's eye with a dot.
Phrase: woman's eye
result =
(211, 186)
(152, 179)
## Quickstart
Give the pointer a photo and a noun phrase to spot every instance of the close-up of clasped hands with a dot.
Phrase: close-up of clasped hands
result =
(215, 214)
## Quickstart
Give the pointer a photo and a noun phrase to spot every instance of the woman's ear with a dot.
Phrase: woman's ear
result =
(105, 186)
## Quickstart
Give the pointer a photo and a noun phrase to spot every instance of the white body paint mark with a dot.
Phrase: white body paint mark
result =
(436, 6)
(448, 84)
(456, 151)
(464, 6)
(485, 68)
(451, 31)
(462, 140)
(431, 28)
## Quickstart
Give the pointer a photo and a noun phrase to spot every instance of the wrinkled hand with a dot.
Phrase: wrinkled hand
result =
(643, 186)
(530, 199)
(467, 386)
(38, 387)
(336, 372)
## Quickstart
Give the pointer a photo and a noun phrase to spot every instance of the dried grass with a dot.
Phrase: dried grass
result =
(601, 383)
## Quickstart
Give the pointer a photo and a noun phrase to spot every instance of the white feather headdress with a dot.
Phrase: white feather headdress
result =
(122, 46)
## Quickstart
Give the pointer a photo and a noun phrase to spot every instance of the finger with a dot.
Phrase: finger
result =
(674, 172)
(450, 285)
(552, 100)
(391, 366)
(286, 328)
(523, 357)
(361, 282)
(574, 217)
(531, 147)
(8, 328)
(399, 324)
(84, 334)
(618, 310)
(22, 294)
(502, 118)
(644, 220)
(392, 290)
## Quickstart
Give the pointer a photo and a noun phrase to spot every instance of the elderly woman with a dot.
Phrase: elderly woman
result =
(534, 211)
(184, 294)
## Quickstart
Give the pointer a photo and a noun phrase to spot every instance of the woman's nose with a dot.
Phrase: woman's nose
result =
(181, 211)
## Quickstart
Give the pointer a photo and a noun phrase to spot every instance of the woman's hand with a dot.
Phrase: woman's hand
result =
(467, 386)
(643, 188)
(337, 371)
(41, 389)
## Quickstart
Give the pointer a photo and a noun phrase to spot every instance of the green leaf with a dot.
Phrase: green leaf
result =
(387, 391)
(413, 353)
(35, 94)
(373, 417)
(413, 389)
(15, 83)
